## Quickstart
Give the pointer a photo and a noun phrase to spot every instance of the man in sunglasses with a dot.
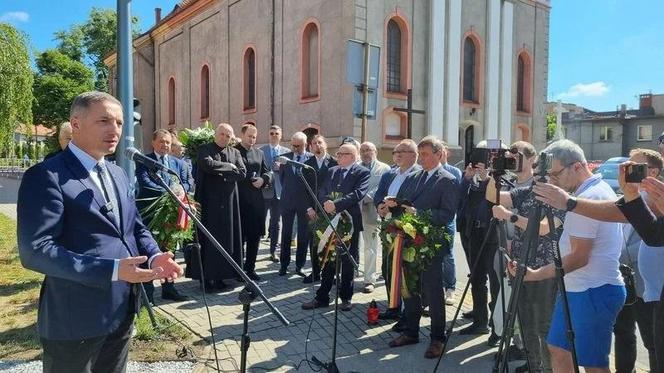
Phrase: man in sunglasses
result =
(272, 192)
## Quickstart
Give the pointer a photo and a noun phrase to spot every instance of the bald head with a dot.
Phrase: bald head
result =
(367, 152)
(346, 155)
(64, 136)
(223, 134)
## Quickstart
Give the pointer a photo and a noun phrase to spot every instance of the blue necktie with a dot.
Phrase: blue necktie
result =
(297, 159)
(109, 193)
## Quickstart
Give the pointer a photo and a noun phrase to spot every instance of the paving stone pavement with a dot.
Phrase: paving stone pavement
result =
(274, 347)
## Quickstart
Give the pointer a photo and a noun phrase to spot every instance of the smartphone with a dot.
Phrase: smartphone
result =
(635, 173)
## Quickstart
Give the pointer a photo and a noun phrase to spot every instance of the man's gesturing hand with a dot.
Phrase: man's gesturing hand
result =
(167, 267)
(551, 195)
(129, 270)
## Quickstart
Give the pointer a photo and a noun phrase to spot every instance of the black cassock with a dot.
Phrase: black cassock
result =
(252, 204)
(216, 191)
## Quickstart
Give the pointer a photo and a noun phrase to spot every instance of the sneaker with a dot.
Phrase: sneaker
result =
(368, 288)
(449, 297)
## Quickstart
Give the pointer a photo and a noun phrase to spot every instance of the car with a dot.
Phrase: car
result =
(610, 171)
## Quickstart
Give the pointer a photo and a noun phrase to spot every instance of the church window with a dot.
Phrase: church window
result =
(523, 83)
(171, 101)
(470, 71)
(249, 79)
(205, 92)
(310, 61)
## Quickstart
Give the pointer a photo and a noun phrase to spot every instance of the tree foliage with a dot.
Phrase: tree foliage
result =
(551, 126)
(91, 41)
(59, 79)
(15, 82)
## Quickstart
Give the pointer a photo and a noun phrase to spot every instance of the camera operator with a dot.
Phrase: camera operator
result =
(590, 250)
(537, 298)
(473, 223)
(650, 261)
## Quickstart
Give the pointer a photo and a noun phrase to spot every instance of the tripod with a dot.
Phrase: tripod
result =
(502, 240)
(251, 287)
(531, 242)
(330, 367)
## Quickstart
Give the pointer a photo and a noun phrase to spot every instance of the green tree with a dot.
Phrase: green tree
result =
(58, 80)
(93, 40)
(15, 82)
(550, 126)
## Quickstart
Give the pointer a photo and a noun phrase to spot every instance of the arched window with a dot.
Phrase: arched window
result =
(523, 83)
(310, 61)
(470, 71)
(205, 92)
(249, 79)
(171, 101)
(393, 57)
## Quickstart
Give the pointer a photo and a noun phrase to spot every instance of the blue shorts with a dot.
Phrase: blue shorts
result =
(593, 313)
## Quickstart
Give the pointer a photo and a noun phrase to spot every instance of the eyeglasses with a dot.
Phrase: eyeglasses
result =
(557, 173)
(274, 133)
(296, 145)
(343, 153)
(403, 151)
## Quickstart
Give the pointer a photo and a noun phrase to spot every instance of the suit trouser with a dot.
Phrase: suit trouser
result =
(483, 270)
(432, 288)
(449, 268)
(315, 264)
(288, 216)
(105, 354)
(624, 329)
(272, 206)
(658, 331)
(386, 269)
(347, 274)
(370, 243)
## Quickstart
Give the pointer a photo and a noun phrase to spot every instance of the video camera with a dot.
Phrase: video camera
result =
(496, 158)
(543, 165)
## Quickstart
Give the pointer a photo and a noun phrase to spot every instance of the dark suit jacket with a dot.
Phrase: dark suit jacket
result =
(317, 179)
(386, 181)
(292, 189)
(65, 233)
(148, 188)
(353, 187)
(645, 223)
(439, 195)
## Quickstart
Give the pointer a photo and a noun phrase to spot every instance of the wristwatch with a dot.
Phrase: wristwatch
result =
(514, 218)
(571, 204)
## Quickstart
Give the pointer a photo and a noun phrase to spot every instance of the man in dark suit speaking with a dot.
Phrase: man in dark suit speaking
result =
(435, 190)
(78, 226)
(352, 181)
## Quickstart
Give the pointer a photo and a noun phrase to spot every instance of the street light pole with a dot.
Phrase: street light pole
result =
(125, 87)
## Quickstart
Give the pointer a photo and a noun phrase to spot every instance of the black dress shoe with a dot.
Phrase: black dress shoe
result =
(315, 303)
(253, 275)
(173, 295)
(475, 329)
(346, 305)
(468, 315)
(493, 341)
(298, 271)
(390, 314)
(310, 279)
(210, 287)
(282, 272)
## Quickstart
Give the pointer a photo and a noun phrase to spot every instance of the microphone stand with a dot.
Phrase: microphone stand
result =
(247, 295)
(330, 367)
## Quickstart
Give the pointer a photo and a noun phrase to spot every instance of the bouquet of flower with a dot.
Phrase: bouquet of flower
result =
(169, 223)
(193, 138)
(411, 242)
(323, 236)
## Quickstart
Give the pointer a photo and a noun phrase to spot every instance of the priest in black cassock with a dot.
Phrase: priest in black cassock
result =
(219, 168)
(252, 204)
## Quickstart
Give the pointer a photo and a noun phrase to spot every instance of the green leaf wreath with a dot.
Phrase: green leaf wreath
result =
(319, 226)
(422, 241)
(163, 212)
(193, 138)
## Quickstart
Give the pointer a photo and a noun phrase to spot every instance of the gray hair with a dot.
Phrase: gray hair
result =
(433, 142)
(566, 152)
(65, 126)
(299, 136)
(83, 101)
(409, 143)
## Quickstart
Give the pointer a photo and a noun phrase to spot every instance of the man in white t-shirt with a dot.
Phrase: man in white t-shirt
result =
(590, 251)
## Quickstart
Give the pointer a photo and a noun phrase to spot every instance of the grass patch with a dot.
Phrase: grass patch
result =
(19, 296)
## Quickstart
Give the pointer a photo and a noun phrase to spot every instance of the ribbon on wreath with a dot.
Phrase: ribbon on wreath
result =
(328, 242)
(183, 219)
(397, 280)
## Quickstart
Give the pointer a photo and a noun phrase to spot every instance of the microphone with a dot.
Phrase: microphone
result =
(293, 163)
(152, 165)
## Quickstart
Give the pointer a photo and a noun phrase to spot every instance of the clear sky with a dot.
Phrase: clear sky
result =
(603, 53)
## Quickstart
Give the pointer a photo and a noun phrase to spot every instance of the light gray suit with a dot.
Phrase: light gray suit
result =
(370, 241)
